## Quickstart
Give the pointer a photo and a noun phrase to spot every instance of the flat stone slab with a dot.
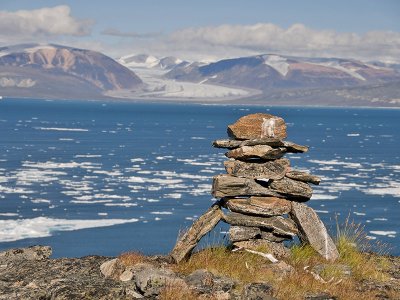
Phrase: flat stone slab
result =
(273, 142)
(242, 233)
(303, 176)
(272, 237)
(254, 152)
(278, 224)
(275, 169)
(259, 206)
(231, 186)
(256, 126)
(188, 241)
(292, 188)
(313, 231)
(276, 249)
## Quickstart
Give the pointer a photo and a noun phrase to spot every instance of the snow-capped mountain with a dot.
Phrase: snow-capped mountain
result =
(270, 71)
(149, 62)
(61, 72)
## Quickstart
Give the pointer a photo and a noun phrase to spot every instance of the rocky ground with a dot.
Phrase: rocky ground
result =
(30, 274)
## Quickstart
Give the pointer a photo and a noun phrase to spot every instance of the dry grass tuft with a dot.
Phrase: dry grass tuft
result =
(242, 266)
(132, 258)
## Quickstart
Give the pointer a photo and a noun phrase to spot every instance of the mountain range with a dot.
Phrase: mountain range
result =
(54, 71)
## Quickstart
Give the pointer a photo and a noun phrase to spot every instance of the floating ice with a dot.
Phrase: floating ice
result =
(382, 232)
(62, 129)
(13, 230)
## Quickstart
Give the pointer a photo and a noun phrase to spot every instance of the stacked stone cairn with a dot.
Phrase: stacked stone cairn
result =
(264, 196)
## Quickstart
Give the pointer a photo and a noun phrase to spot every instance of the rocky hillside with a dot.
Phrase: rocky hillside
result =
(29, 273)
(55, 71)
(298, 80)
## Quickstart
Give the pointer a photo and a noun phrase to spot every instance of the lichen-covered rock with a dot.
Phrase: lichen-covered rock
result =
(256, 152)
(258, 126)
(278, 250)
(259, 206)
(277, 224)
(257, 291)
(313, 231)
(205, 282)
(30, 253)
(242, 233)
(275, 169)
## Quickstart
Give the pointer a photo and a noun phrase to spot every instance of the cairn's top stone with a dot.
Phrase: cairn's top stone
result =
(258, 126)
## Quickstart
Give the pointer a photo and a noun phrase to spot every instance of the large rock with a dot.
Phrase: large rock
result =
(260, 206)
(275, 169)
(231, 186)
(292, 188)
(30, 253)
(256, 152)
(273, 142)
(150, 280)
(303, 176)
(188, 241)
(278, 224)
(313, 231)
(256, 126)
(242, 233)
(205, 282)
(257, 291)
(112, 268)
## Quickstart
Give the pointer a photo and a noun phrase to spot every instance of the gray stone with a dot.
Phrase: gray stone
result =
(259, 206)
(278, 250)
(257, 126)
(150, 280)
(127, 275)
(292, 188)
(320, 296)
(30, 253)
(275, 169)
(188, 241)
(303, 176)
(273, 142)
(231, 186)
(272, 237)
(256, 152)
(257, 291)
(206, 282)
(313, 231)
(112, 268)
(278, 224)
(242, 233)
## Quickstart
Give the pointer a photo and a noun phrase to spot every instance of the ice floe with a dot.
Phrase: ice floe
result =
(13, 230)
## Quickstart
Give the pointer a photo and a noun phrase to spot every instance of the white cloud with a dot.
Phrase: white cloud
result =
(295, 40)
(41, 23)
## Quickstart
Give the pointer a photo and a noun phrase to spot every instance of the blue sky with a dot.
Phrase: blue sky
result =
(209, 29)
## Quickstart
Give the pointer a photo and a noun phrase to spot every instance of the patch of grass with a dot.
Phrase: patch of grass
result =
(301, 255)
(242, 266)
(132, 258)
(353, 245)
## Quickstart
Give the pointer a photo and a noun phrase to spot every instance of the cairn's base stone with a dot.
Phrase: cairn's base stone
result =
(276, 249)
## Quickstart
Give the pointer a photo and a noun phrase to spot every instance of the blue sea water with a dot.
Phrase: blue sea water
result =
(108, 177)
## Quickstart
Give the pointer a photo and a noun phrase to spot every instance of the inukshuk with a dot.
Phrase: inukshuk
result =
(263, 194)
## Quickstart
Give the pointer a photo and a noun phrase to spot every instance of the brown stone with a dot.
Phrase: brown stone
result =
(277, 224)
(303, 176)
(278, 250)
(256, 126)
(231, 186)
(258, 151)
(260, 206)
(242, 233)
(275, 169)
(273, 142)
(272, 237)
(188, 241)
(313, 231)
(292, 188)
